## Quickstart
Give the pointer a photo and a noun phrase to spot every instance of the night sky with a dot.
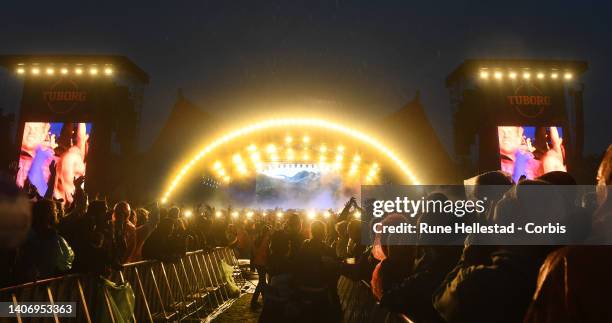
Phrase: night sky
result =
(364, 58)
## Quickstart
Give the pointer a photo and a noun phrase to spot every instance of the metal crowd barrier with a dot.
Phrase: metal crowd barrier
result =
(359, 305)
(191, 287)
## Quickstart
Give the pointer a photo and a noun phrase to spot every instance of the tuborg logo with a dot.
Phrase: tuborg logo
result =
(64, 96)
(529, 100)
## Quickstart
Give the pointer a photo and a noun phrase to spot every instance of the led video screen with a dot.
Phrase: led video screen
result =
(53, 148)
(529, 151)
(301, 186)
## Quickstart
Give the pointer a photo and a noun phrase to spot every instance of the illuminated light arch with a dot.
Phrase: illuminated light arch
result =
(279, 123)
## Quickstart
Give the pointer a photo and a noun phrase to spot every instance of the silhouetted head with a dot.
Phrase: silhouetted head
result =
(44, 215)
(317, 231)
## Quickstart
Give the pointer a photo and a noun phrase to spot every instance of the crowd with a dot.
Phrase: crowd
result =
(299, 256)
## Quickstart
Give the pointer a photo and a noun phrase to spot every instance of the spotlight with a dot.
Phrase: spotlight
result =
(306, 157)
(279, 214)
(339, 157)
(226, 179)
(237, 159)
(249, 214)
(540, 76)
(271, 148)
(311, 214)
(64, 71)
(93, 71)
(512, 75)
(357, 214)
(188, 213)
(326, 214)
(568, 76)
(554, 76)
(235, 214)
(78, 71)
(288, 139)
(217, 165)
(108, 71)
(526, 75)
(219, 214)
(164, 200)
(50, 71)
(35, 71)
(306, 139)
(484, 75)
(323, 149)
(20, 70)
(498, 75)
(341, 148)
(357, 158)
(252, 148)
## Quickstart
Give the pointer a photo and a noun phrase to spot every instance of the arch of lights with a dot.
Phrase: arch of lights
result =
(266, 125)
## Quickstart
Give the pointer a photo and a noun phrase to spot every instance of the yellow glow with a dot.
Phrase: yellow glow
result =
(484, 75)
(78, 71)
(271, 149)
(357, 158)
(540, 76)
(568, 76)
(554, 76)
(237, 159)
(526, 75)
(512, 75)
(252, 148)
(93, 71)
(188, 213)
(217, 165)
(311, 214)
(20, 70)
(235, 214)
(323, 149)
(306, 157)
(279, 214)
(341, 148)
(498, 75)
(64, 71)
(226, 179)
(50, 71)
(357, 214)
(365, 138)
(288, 139)
(35, 71)
(219, 214)
(339, 157)
(326, 214)
(306, 139)
(250, 214)
(108, 71)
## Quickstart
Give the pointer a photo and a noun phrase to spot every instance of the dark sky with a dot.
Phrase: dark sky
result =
(365, 57)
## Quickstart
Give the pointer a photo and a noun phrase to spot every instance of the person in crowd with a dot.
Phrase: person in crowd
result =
(92, 240)
(293, 228)
(164, 243)
(340, 244)
(569, 288)
(142, 216)
(260, 260)
(44, 253)
(129, 239)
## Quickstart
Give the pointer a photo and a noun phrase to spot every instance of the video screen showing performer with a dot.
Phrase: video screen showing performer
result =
(531, 151)
(52, 155)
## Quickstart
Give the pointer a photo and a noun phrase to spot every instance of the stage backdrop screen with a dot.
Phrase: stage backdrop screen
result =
(53, 147)
(531, 151)
(301, 186)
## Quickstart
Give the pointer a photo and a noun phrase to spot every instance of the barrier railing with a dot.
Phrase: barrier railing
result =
(192, 286)
(359, 305)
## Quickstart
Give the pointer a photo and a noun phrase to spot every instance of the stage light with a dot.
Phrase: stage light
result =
(311, 214)
(188, 213)
(252, 148)
(64, 71)
(237, 159)
(526, 75)
(271, 149)
(217, 165)
(35, 71)
(218, 214)
(78, 71)
(339, 157)
(221, 171)
(323, 149)
(540, 76)
(242, 170)
(235, 214)
(306, 157)
(326, 214)
(306, 139)
(279, 214)
(93, 71)
(288, 139)
(226, 179)
(357, 158)
(108, 71)
(20, 70)
(554, 76)
(357, 214)
(498, 75)
(249, 214)
(274, 157)
(164, 200)
(484, 75)
(341, 148)
(568, 76)
(512, 75)
(50, 71)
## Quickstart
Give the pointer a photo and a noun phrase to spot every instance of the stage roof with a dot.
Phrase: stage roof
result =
(119, 62)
